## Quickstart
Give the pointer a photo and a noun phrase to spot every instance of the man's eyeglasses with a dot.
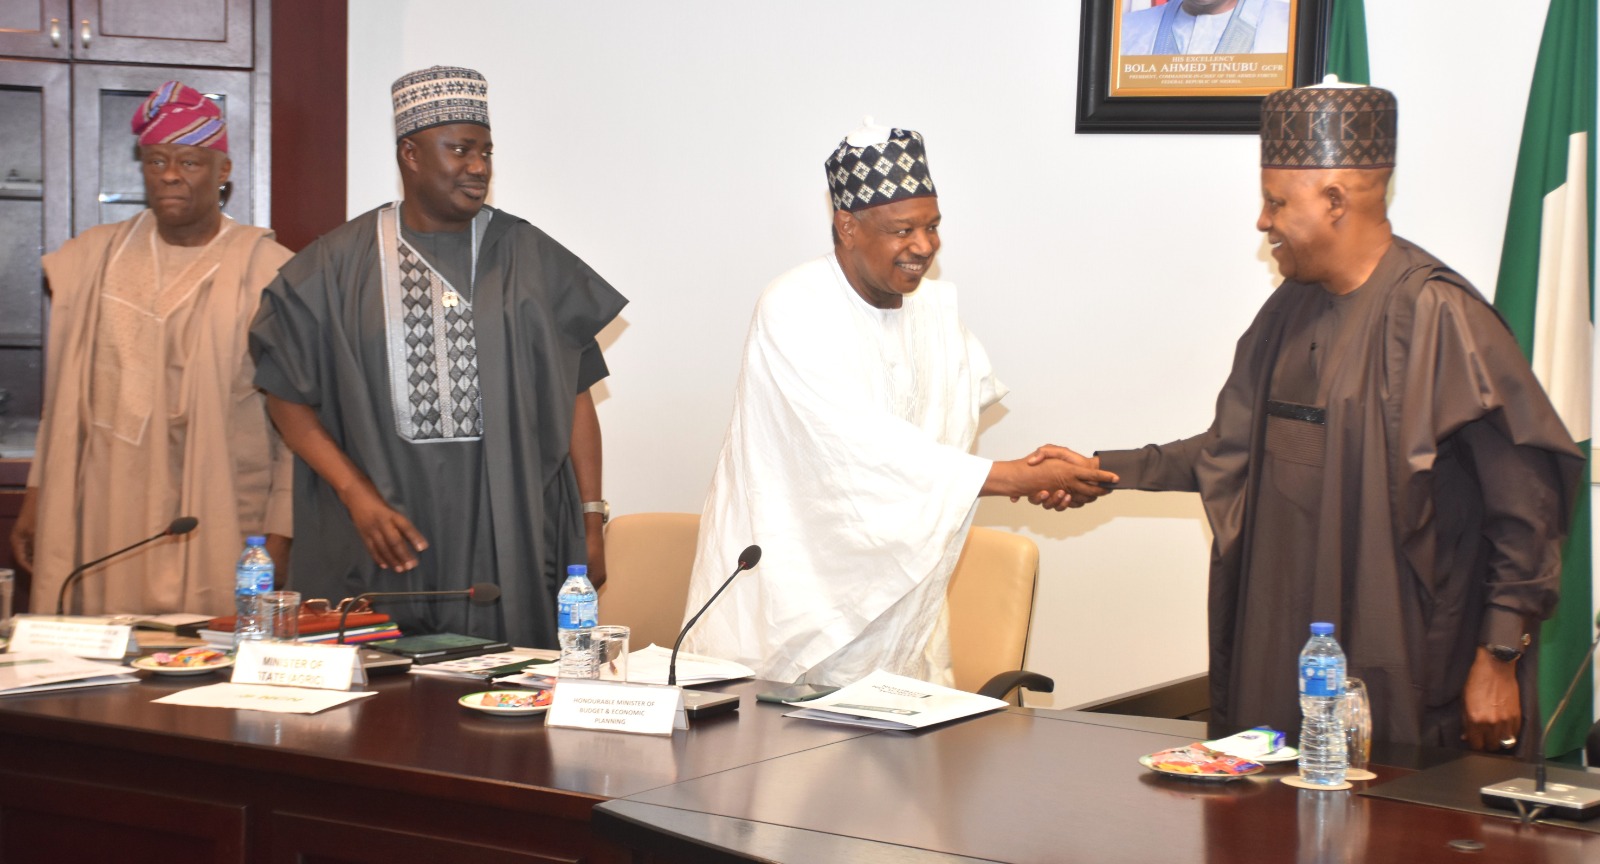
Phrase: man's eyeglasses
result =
(353, 605)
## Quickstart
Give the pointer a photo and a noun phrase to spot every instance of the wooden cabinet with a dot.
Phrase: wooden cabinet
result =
(175, 32)
(36, 28)
(68, 160)
(48, 819)
(35, 216)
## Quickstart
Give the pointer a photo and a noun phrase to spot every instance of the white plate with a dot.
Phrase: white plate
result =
(149, 664)
(541, 698)
(1149, 762)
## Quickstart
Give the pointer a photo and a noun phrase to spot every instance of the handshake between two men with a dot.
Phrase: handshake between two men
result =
(1052, 477)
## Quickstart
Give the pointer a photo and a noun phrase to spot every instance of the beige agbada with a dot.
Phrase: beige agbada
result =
(150, 414)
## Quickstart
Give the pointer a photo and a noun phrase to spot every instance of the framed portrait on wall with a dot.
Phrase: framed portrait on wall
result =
(1193, 65)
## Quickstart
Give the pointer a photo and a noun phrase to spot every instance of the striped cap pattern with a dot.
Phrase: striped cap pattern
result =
(179, 114)
(438, 96)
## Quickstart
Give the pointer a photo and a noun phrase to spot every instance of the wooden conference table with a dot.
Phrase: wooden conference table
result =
(408, 776)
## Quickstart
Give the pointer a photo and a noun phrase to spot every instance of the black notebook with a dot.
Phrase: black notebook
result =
(438, 646)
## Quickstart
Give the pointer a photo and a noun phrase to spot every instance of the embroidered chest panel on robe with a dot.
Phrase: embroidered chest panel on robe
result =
(433, 352)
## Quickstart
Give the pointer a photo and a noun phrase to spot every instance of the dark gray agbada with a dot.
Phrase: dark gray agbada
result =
(478, 457)
(1385, 461)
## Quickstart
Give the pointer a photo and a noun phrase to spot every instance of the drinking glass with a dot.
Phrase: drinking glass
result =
(1356, 710)
(281, 613)
(611, 651)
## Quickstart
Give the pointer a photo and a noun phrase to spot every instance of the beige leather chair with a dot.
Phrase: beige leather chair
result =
(648, 560)
(991, 604)
(649, 557)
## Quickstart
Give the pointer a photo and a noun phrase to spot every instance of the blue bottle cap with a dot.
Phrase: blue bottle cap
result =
(255, 540)
(577, 570)
(1322, 628)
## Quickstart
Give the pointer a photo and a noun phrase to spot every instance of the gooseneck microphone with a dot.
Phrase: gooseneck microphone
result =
(1577, 803)
(180, 525)
(481, 594)
(747, 559)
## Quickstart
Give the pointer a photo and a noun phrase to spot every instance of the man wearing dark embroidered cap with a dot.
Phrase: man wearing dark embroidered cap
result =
(1382, 457)
(848, 457)
(430, 363)
(150, 412)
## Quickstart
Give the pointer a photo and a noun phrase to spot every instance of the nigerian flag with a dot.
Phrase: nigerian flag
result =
(1347, 42)
(1545, 291)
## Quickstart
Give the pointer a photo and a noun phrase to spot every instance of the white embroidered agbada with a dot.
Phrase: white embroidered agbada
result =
(847, 460)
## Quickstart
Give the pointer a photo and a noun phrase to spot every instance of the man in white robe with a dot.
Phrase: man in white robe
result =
(848, 456)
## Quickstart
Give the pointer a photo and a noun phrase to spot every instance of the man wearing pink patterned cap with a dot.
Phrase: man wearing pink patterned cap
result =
(150, 412)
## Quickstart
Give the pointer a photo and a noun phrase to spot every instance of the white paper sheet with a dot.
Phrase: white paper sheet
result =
(885, 701)
(261, 697)
(649, 666)
(32, 672)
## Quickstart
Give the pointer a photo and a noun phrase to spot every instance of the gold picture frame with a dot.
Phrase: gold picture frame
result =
(1148, 68)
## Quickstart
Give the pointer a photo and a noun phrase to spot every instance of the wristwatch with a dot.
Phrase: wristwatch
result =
(1506, 653)
(601, 507)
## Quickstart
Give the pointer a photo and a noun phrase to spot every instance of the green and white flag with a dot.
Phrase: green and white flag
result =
(1545, 291)
(1347, 42)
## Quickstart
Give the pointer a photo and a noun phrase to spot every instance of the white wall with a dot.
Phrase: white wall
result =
(678, 148)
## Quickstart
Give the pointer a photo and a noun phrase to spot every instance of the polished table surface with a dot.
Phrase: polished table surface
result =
(413, 735)
(404, 776)
(1047, 787)
(408, 775)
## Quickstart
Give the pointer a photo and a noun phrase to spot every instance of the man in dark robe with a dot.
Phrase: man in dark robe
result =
(1382, 458)
(429, 362)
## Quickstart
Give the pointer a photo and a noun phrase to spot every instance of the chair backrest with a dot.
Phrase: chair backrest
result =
(991, 603)
(648, 560)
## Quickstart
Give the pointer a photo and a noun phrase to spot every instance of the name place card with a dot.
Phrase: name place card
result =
(91, 638)
(293, 664)
(612, 706)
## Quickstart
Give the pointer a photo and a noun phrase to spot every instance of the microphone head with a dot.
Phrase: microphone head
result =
(749, 557)
(182, 525)
(484, 593)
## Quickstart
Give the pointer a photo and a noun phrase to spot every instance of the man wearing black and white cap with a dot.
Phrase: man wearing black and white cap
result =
(429, 362)
(848, 457)
(1382, 457)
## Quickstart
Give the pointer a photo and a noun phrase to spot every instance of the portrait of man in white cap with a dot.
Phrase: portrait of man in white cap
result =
(1205, 27)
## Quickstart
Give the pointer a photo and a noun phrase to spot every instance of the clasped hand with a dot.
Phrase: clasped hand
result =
(1064, 478)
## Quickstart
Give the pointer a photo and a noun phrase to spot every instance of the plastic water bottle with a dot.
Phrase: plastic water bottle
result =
(1323, 758)
(253, 577)
(577, 612)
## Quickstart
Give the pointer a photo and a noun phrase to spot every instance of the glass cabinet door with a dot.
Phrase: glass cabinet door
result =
(34, 200)
(108, 183)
